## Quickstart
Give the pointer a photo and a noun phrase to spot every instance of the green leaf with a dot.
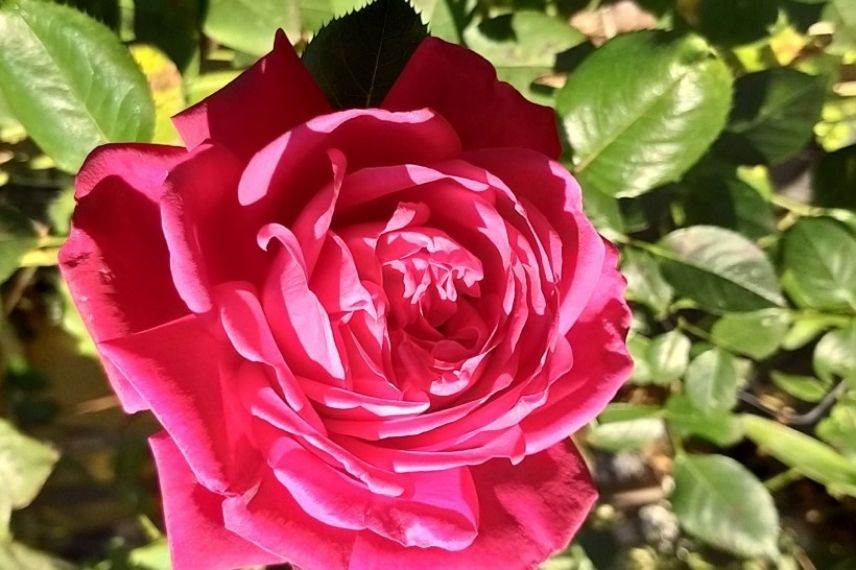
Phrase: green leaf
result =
(835, 355)
(807, 326)
(842, 15)
(637, 122)
(719, 269)
(201, 86)
(721, 502)
(773, 116)
(810, 457)
(153, 556)
(17, 237)
(723, 200)
(806, 388)
(757, 334)
(645, 282)
(10, 129)
(172, 26)
(839, 429)
(14, 555)
(711, 381)
(668, 355)
(624, 411)
(819, 265)
(446, 19)
(625, 435)
(522, 46)
(721, 428)
(637, 345)
(356, 59)
(736, 21)
(70, 81)
(834, 178)
(25, 464)
(250, 25)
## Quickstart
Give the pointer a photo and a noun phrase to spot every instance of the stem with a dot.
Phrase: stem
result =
(782, 480)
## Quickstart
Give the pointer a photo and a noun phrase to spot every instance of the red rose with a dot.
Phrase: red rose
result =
(368, 333)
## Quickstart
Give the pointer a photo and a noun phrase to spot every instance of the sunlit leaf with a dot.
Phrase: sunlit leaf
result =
(634, 123)
(723, 503)
(70, 81)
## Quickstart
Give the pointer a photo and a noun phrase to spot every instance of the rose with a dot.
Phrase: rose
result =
(367, 333)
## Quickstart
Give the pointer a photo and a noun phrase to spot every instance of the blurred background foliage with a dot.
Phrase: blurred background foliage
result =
(714, 140)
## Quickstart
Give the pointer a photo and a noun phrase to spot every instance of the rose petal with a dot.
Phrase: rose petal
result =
(206, 238)
(265, 101)
(601, 364)
(527, 512)
(276, 522)
(182, 371)
(115, 260)
(194, 518)
(462, 86)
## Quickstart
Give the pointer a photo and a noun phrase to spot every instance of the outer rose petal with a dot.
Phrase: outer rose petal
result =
(271, 97)
(194, 518)
(527, 512)
(601, 363)
(462, 86)
(182, 371)
(115, 260)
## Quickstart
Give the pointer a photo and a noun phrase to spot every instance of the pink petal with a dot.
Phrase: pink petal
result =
(194, 518)
(298, 161)
(268, 99)
(462, 86)
(601, 364)
(526, 513)
(202, 228)
(276, 522)
(183, 371)
(115, 260)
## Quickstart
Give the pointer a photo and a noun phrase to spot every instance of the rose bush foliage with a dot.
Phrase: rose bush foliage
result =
(367, 333)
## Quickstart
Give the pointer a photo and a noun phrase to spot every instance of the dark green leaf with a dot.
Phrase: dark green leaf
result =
(70, 81)
(757, 334)
(736, 21)
(835, 179)
(810, 457)
(727, 201)
(819, 265)
(637, 122)
(356, 58)
(723, 503)
(172, 26)
(719, 269)
(711, 381)
(773, 115)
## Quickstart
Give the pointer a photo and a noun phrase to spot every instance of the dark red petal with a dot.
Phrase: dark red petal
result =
(462, 86)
